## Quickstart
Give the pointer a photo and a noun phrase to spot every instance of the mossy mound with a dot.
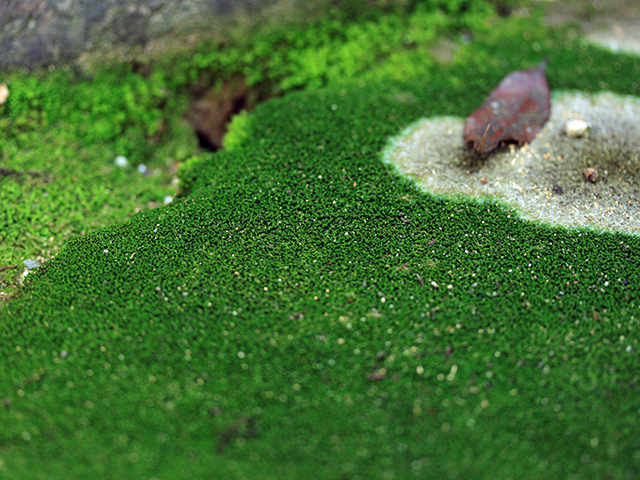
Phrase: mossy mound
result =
(61, 129)
(304, 309)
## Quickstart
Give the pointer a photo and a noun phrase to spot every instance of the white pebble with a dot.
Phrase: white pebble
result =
(142, 168)
(168, 199)
(31, 264)
(121, 161)
(4, 93)
(576, 128)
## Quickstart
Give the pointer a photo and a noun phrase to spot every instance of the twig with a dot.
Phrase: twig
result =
(8, 172)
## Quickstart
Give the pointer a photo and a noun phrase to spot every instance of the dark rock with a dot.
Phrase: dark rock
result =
(37, 33)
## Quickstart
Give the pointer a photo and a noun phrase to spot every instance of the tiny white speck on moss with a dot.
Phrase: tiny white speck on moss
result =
(4, 93)
(543, 180)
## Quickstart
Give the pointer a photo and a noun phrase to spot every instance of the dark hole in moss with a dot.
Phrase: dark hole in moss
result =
(205, 142)
(212, 108)
(504, 9)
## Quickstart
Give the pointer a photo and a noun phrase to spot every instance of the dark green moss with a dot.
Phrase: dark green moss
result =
(235, 330)
(61, 130)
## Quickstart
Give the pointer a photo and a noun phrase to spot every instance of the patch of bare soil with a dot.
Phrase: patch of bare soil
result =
(211, 110)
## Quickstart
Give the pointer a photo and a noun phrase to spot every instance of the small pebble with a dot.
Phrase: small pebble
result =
(4, 93)
(576, 128)
(121, 161)
(142, 168)
(168, 199)
(31, 264)
(590, 175)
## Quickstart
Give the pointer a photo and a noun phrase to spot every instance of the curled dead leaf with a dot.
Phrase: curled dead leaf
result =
(513, 112)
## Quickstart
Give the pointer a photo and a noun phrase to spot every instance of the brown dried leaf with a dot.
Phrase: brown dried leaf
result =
(513, 112)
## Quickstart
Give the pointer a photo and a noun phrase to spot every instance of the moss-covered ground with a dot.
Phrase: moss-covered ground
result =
(62, 129)
(303, 312)
(60, 134)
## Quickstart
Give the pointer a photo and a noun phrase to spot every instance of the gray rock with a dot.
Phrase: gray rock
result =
(31, 264)
(45, 32)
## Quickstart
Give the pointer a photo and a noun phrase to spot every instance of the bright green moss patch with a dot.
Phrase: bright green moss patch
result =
(237, 131)
(304, 309)
(59, 137)
(354, 42)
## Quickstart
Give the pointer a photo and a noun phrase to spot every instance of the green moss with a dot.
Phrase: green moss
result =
(347, 43)
(235, 330)
(59, 137)
(237, 131)
(61, 130)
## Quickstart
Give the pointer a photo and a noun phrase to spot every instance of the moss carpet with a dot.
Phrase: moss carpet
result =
(303, 312)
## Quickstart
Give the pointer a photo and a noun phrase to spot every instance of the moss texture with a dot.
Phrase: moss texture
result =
(303, 309)
(61, 130)
(60, 134)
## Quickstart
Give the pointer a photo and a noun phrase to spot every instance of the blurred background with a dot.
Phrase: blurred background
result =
(43, 32)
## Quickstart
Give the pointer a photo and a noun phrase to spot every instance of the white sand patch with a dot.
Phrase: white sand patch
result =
(545, 180)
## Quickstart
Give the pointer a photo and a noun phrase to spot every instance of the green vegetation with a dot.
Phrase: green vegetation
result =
(61, 131)
(300, 308)
(59, 138)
